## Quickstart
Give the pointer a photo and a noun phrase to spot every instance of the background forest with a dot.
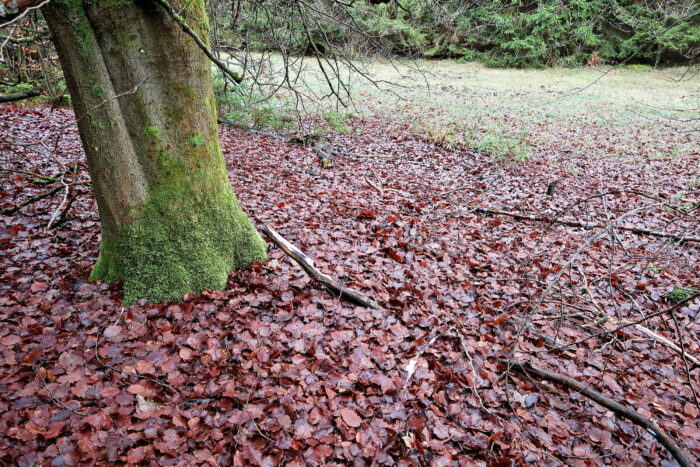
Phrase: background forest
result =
(497, 33)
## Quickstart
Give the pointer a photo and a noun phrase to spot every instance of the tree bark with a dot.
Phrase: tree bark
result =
(142, 95)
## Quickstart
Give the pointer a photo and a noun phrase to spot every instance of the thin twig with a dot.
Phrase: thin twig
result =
(5, 12)
(60, 206)
(134, 375)
(53, 398)
(629, 323)
(31, 200)
(374, 185)
(685, 360)
(587, 225)
(189, 31)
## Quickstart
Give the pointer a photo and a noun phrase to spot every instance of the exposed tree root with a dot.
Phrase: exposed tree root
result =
(626, 412)
(308, 265)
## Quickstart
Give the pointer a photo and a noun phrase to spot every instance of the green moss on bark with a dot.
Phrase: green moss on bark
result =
(107, 266)
(173, 249)
(79, 26)
(97, 91)
(171, 223)
(189, 234)
(152, 133)
(197, 139)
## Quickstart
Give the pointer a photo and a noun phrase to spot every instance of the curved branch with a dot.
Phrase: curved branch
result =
(308, 265)
(12, 10)
(626, 412)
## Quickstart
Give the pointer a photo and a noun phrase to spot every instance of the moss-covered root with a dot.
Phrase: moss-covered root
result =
(166, 255)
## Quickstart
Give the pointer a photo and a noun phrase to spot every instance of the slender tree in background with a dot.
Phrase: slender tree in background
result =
(142, 94)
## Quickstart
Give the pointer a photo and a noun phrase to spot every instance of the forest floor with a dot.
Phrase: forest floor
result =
(274, 369)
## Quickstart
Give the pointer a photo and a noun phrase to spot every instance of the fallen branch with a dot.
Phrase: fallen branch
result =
(324, 152)
(626, 412)
(627, 324)
(250, 129)
(35, 91)
(324, 157)
(43, 178)
(664, 341)
(411, 367)
(63, 217)
(308, 265)
(587, 225)
(31, 200)
(374, 185)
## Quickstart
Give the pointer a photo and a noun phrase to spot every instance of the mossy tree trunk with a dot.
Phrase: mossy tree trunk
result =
(142, 94)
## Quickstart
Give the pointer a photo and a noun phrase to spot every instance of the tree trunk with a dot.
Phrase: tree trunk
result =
(142, 94)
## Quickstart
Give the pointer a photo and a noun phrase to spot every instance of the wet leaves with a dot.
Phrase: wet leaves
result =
(275, 370)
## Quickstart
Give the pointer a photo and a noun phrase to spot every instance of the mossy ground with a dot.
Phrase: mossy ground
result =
(678, 294)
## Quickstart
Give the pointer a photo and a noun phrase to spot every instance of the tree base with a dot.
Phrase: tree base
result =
(167, 253)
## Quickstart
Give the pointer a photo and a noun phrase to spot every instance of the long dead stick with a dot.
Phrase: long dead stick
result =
(35, 91)
(626, 412)
(308, 265)
(664, 341)
(587, 225)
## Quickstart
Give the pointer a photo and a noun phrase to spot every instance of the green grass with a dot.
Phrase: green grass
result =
(628, 113)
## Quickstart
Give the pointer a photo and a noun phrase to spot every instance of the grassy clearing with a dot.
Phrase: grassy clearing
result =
(629, 113)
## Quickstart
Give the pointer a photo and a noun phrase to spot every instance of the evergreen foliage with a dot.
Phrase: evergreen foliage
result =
(501, 33)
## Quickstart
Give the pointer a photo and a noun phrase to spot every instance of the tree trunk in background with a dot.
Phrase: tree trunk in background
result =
(171, 223)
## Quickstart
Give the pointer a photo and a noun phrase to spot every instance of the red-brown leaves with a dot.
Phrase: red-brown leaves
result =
(275, 370)
(350, 417)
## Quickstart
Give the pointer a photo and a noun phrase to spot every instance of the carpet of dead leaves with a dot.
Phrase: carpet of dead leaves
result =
(275, 370)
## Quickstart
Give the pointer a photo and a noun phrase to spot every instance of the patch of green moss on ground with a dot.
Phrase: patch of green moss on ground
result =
(678, 294)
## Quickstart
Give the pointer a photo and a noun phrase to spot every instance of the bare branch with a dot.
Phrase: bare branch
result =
(189, 31)
(626, 412)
